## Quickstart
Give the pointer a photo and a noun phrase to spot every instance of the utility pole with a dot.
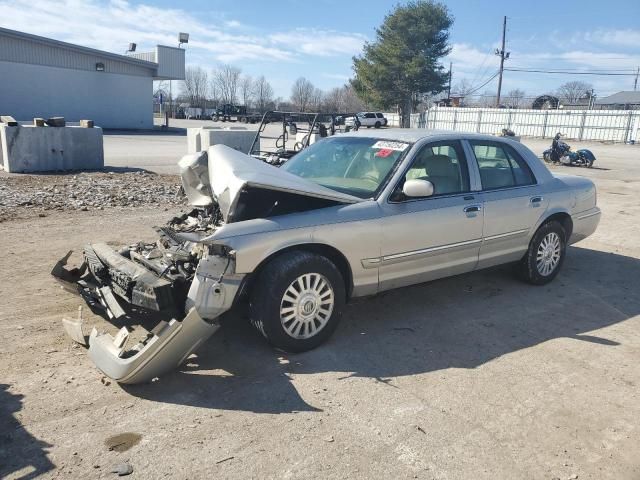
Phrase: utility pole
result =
(635, 84)
(449, 89)
(503, 56)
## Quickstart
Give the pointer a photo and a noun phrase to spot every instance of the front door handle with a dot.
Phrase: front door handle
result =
(535, 201)
(472, 208)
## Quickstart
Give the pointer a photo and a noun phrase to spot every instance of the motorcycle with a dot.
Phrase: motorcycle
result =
(578, 158)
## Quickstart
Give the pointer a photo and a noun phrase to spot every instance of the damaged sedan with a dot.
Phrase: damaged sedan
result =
(352, 215)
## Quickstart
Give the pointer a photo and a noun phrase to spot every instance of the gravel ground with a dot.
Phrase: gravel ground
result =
(477, 376)
(25, 196)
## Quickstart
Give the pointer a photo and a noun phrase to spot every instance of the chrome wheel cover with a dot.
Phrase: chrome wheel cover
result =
(306, 306)
(548, 254)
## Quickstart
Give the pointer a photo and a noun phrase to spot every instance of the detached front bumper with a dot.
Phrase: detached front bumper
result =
(212, 292)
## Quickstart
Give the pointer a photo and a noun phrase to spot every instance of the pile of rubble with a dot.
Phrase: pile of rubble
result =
(32, 195)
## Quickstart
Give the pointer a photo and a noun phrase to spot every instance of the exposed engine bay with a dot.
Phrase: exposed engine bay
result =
(185, 279)
(160, 282)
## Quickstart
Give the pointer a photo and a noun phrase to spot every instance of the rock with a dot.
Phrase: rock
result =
(122, 469)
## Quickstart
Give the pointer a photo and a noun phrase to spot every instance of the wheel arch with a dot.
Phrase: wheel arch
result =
(562, 217)
(328, 251)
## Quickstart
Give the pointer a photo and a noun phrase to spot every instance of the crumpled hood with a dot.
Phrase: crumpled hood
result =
(232, 172)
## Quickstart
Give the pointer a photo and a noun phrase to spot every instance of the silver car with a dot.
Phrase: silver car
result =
(354, 214)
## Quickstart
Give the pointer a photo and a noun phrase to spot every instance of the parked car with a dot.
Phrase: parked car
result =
(351, 215)
(368, 119)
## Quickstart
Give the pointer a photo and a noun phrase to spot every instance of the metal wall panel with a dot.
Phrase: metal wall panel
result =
(15, 49)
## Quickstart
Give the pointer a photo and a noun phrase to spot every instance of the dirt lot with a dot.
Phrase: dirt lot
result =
(473, 377)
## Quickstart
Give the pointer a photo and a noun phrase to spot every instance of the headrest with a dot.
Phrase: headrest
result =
(439, 166)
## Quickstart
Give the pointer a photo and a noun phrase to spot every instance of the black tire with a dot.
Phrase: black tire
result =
(377, 125)
(267, 297)
(528, 268)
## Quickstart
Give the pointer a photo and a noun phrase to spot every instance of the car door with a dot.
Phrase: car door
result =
(512, 201)
(436, 236)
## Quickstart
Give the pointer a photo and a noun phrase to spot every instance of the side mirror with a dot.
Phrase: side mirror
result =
(418, 188)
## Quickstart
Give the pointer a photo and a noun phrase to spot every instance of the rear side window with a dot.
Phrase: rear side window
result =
(379, 115)
(500, 166)
(370, 115)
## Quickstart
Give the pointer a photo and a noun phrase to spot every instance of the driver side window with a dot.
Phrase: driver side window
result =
(443, 164)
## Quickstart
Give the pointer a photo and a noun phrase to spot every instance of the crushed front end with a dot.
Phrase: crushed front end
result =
(179, 283)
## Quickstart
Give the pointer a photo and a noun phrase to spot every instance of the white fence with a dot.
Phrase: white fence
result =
(602, 125)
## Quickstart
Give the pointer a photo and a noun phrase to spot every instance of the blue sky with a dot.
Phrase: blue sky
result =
(285, 39)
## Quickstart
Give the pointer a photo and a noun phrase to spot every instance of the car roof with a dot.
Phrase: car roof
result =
(415, 134)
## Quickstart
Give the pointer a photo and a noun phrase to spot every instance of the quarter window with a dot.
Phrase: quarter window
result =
(500, 166)
(443, 165)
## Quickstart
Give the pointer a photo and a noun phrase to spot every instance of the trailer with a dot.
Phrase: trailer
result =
(234, 113)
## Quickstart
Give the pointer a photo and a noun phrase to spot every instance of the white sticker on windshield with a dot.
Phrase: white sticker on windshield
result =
(399, 146)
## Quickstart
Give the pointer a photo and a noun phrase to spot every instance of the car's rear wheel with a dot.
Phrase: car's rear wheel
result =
(377, 125)
(545, 255)
(297, 300)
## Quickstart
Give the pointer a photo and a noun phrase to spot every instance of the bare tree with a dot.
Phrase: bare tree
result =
(316, 100)
(302, 93)
(214, 89)
(343, 100)
(462, 89)
(195, 86)
(573, 91)
(227, 79)
(487, 100)
(246, 90)
(262, 93)
(515, 98)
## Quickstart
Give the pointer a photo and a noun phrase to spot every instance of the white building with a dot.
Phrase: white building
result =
(41, 77)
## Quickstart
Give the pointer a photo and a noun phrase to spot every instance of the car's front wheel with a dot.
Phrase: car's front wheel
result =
(297, 300)
(545, 255)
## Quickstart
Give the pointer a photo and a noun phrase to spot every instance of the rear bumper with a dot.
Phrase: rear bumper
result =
(212, 292)
(584, 224)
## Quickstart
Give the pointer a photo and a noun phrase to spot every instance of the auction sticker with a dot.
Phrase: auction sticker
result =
(398, 146)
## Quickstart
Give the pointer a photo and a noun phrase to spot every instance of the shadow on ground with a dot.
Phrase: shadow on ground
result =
(460, 322)
(21, 455)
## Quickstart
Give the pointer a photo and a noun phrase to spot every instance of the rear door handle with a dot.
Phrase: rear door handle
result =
(535, 201)
(472, 208)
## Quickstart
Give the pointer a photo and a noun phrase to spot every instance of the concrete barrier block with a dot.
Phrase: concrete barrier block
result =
(239, 138)
(38, 122)
(32, 149)
(86, 123)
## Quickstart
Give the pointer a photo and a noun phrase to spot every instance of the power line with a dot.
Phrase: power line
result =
(604, 74)
(582, 69)
(484, 84)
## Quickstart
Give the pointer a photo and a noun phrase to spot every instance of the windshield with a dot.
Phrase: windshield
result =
(358, 166)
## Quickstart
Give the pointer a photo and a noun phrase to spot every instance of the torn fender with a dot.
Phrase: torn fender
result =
(165, 350)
